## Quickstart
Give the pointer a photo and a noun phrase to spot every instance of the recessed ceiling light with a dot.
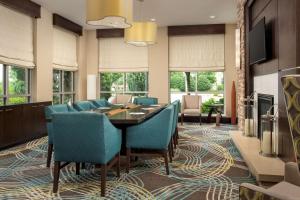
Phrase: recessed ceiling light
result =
(212, 16)
(153, 19)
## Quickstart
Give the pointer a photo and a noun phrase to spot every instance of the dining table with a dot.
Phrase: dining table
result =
(124, 116)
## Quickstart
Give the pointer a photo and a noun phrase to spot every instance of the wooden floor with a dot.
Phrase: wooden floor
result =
(265, 169)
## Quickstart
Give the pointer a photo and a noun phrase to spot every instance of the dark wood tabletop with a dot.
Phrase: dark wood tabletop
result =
(131, 116)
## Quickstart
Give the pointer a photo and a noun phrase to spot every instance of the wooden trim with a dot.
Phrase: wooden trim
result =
(67, 24)
(196, 29)
(110, 33)
(26, 7)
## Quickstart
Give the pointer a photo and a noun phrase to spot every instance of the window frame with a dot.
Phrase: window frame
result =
(61, 93)
(124, 76)
(28, 84)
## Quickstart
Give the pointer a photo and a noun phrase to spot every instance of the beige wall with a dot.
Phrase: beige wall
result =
(230, 69)
(159, 67)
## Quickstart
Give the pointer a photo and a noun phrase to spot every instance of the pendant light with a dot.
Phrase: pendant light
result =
(109, 13)
(141, 33)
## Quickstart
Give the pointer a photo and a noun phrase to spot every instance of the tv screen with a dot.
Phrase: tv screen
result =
(257, 43)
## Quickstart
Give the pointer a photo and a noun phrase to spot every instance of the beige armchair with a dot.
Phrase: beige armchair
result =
(121, 99)
(191, 105)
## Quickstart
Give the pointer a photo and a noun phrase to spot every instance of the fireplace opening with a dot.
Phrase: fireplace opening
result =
(264, 103)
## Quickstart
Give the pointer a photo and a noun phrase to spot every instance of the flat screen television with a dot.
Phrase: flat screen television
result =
(257, 43)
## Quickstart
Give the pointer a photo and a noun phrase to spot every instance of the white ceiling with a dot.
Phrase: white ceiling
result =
(166, 12)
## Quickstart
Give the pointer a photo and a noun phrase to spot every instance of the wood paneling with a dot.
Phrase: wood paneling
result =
(26, 7)
(196, 29)
(110, 33)
(67, 24)
(22, 123)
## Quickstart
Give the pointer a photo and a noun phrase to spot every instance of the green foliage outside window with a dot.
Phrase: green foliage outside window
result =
(17, 80)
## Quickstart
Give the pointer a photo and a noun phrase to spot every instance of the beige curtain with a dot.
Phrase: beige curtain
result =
(64, 50)
(197, 53)
(117, 56)
(16, 38)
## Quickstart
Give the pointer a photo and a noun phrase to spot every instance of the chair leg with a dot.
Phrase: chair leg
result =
(77, 168)
(103, 179)
(128, 152)
(56, 176)
(50, 149)
(177, 135)
(83, 166)
(174, 140)
(200, 120)
(118, 165)
(182, 116)
(170, 152)
(165, 154)
(172, 148)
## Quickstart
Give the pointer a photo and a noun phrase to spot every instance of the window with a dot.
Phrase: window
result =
(134, 83)
(14, 85)
(63, 87)
(210, 85)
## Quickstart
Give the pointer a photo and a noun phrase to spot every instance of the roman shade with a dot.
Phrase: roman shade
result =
(16, 38)
(64, 50)
(117, 56)
(197, 52)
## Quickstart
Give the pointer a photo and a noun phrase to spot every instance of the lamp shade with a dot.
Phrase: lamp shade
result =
(91, 87)
(110, 13)
(141, 33)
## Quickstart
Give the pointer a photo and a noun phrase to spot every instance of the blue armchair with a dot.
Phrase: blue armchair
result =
(153, 135)
(49, 110)
(174, 138)
(85, 137)
(101, 103)
(145, 101)
(84, 106)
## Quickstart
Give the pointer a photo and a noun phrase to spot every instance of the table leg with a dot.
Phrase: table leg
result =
(209, 115)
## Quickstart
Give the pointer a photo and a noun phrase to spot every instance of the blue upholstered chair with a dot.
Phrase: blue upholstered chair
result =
(101, 103)
(175, 123)
(49, 110)
(153, 134)
(84, 106)
(145, 101)
(85, 137)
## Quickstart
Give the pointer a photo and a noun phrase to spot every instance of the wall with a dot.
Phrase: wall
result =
(159, 67)
(230, 74)
(43, 73)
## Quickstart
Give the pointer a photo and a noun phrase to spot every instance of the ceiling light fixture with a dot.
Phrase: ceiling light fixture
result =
(212, 17)
(142, 33)
(109, 13)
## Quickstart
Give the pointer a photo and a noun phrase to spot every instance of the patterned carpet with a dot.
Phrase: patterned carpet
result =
(207, 165)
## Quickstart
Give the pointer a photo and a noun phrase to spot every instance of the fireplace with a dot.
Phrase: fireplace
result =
(264, 103)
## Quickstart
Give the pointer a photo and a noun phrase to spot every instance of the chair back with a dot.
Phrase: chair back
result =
(145, 101)
(191, 102)
(84, 106)
(79, 137)
(176, 112)
(49, 110)
(101, 103)
(123, 98)
(291, 88)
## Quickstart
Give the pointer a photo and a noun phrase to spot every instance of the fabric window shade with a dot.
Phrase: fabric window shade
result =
(16, 38)
(117, 56)
(197, 53)
(64, 50)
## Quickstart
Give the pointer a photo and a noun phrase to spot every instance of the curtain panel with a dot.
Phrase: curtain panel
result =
(64, 50)
(117, 56)
(16, 38)
(197, 53)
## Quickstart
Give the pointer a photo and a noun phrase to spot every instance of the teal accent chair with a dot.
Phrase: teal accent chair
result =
(84, 106)
(101, 103)
(49, 110)
(85, 137)
(175, 123)
(145, 101)
(153, 135)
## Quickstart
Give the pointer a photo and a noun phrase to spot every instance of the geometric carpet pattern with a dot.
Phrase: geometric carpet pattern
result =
(207, 165)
